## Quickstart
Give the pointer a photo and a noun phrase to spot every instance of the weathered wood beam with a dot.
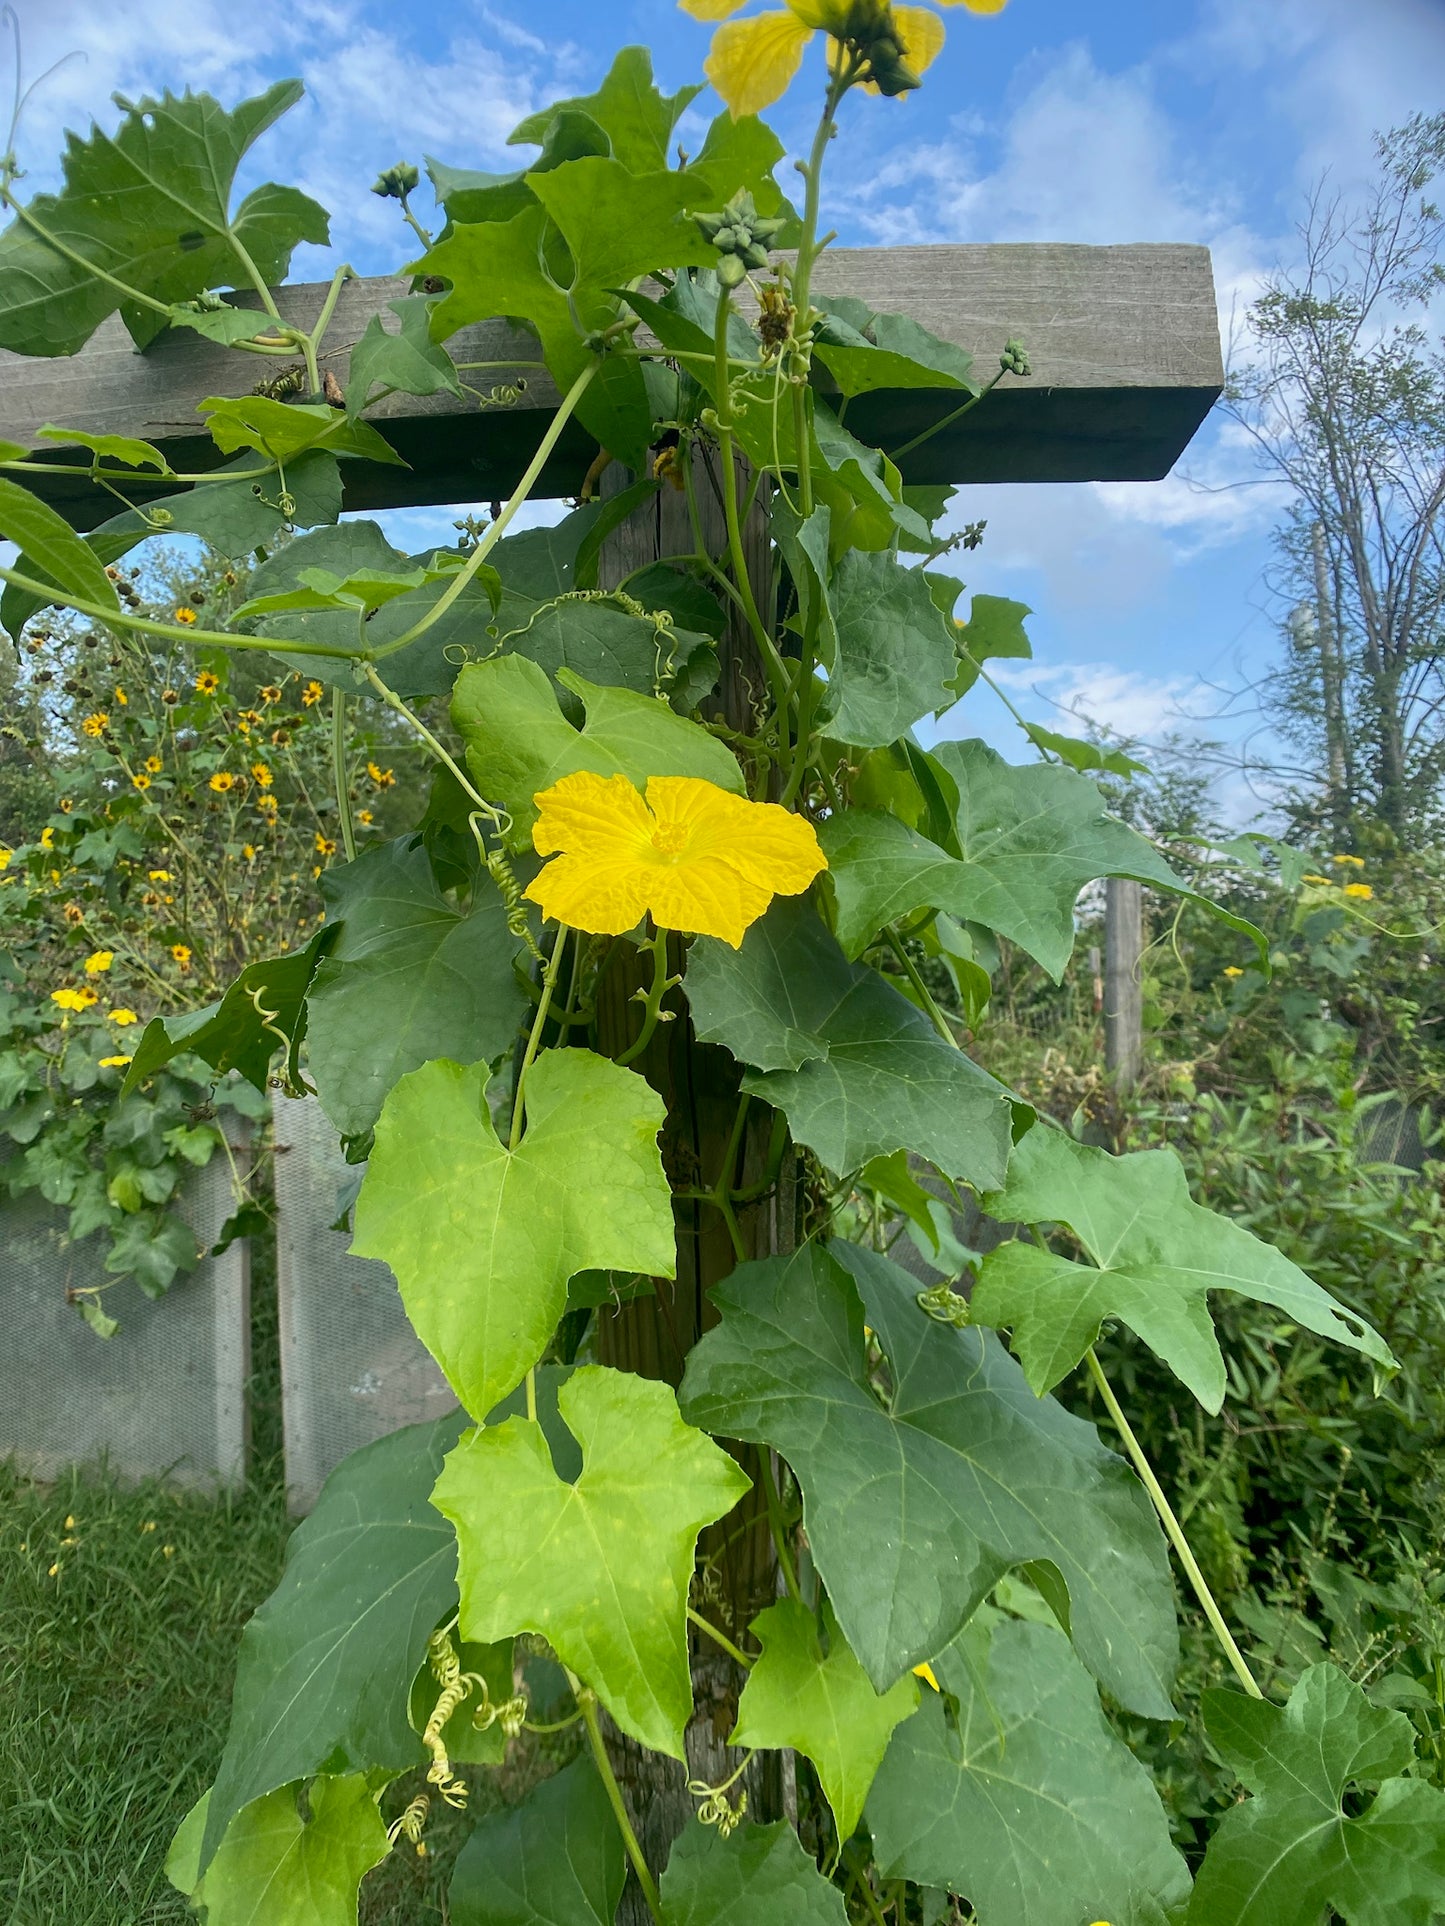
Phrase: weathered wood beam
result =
(1124, 343)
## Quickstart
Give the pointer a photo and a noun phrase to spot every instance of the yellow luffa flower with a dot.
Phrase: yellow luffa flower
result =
(693, 856)
(925, 1672)
(752, 61)
(1361, 890)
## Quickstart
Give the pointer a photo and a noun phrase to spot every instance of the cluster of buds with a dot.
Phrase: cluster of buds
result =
(741, 236)
(1015, 359)
(874, 38)
(397, 182)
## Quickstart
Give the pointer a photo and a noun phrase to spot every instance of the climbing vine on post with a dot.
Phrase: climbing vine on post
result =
(773, 886)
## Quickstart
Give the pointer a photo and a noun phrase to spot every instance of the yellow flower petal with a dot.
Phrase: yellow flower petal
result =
(923, 36)
(976, 6)
(752, 61)
(699, 859)
(1361, 890)
(925, 1672)
(710, 9)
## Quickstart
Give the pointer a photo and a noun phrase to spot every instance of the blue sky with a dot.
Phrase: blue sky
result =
(1201, 120)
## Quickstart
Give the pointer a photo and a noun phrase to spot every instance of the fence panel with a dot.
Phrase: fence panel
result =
(352, 1368)
(165, 1397)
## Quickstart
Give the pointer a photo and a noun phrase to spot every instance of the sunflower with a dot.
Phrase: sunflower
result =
(207, 683)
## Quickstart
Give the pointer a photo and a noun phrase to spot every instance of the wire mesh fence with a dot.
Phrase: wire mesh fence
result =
(352, 1368)
(165, 1397)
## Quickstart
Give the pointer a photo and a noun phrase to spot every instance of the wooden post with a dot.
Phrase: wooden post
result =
(1123, 991)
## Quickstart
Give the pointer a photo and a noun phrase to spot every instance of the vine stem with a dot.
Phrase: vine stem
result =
(1172, 1527)
(925, 995)
(652, 1011)
(414, 722)
(587, 1700)
(338, 771)
(775, 1525)
(719, 1638)
(171, 631)
(549, 984)
(499, 527)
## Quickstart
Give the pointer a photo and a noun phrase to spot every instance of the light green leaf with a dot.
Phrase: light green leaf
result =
(634, 115)
(1159, 1255)
(275, 1869)
(864, 351)
(1084, 756)
(327, 1662)
(893, 650)
(320, 589)
(483, 1239)
(1302, 1844)
(408, 361)
(821, 1704)
(994, 631)
(234, 1034)
(48, 539)
(761, 1876)
(519, 742)
(223, 322)
(556, 1859)
(601, 1566)
(471, 196)
(284, 429)
(125, 448)
(1030, 839)
(1030, 1806)
(954, 1477)
(856, 1069)
(409, 978)
(149, 205)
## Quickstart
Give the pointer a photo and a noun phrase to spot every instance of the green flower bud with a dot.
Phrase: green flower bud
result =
(1015, 360)
(397, 182)
(731, 270)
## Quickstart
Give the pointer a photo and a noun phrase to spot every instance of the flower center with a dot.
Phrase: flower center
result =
(669, 839)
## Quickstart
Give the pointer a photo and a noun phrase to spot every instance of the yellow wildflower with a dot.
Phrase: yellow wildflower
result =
(1233, 970)
(270, 694)
(122, 698)
(159, 875)
(752, 61)
(262, 774)
(114, 1063)
(268, 805)
(312, 694)
(249, 718)
(74, 999)
(140, 780)
(184, 615)
(99, 962)
(154, 765)
(181, 952)
(383, 778)
(693, 856)
(207, 683)
(122, 1018)
(248, 850)
(7, 856)
(1360, 890)
(96, 725)
(1352, 862)
(324, 845)
(925, 1672)
(365, 816)
(1319, 881)
(222, 782)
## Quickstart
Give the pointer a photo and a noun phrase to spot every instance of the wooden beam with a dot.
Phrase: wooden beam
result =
(1124, 343)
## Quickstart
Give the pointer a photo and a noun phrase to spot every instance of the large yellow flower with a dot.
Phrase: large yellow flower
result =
(693, 856)
(752, 61)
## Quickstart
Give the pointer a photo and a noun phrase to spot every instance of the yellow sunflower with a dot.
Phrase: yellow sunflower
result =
(207, 682)
(752, 61)
(693, 856)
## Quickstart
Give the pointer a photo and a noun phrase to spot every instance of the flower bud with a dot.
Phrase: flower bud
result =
(397, 182)
(1015, 359)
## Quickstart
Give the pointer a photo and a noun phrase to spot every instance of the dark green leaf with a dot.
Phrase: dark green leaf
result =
(951, 1476)
(408, 361)
(601, 1565)
(327, 1662)
(48, 539)
(233, 516)
(150, 206)
(1158, 1256)
(994, 629)
(554, 1860)
(856, 1069)
(1026, 1803)
(1084, 755)
(893, 651)
(153, 1249)
(409, 978)
(245, 1029)
(1306, 1842)
(864, 351)
(759, 1877)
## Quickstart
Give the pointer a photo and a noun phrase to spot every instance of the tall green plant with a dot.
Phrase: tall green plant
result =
(728, 889)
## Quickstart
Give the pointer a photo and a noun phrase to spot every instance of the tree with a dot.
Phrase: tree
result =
(1345, 402)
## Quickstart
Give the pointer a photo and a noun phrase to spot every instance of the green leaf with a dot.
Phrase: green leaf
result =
(554, 1860)
(358, 593)
(150, 206)
(471, 196)
(864, 351)
(636, 118)
(1158, 1256)
(244, 1030)
(1029, 838)
(409, 978)
(1084, 756)
(275, 1869)
(125, 448)
(821, 1704)
(153, 1250)
(761, 1876)
(48, 539)
(282, 430)
(1302, 1844)
(409, 361)
(856, 1069)
(234, 516)
(327, 1662)
(893, 652)
(219, 321)
(994, 630)
(519, 742)
(483, 1239)
(1024, 1801)
(949, 1479)
(601, 1566)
